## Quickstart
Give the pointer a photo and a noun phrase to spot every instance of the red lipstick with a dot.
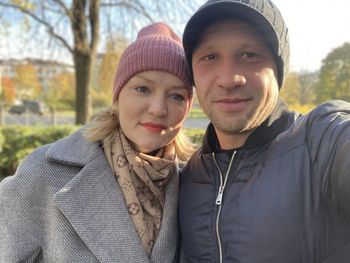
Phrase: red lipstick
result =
(153, 127)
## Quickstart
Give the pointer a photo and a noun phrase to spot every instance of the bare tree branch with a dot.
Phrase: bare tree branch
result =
(129, 6)
(86, 18)
(48, 26)
(79, 26)
(94, 23)
(63, 6)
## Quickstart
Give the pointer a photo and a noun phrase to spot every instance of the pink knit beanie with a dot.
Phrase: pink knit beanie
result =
(157, 47)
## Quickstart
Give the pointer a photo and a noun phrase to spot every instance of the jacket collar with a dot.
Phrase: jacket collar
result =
(278, 121)
(94, 205)
(74, 150)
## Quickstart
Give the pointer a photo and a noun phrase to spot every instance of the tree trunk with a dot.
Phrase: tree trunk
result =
(83, 65)
(84, 53)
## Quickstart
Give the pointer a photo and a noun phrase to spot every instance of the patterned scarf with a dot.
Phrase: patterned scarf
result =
(142, 179)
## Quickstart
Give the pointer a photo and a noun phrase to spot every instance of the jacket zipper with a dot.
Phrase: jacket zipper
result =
(219, 198)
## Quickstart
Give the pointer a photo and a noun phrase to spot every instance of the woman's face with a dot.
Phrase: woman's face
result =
(152, 107)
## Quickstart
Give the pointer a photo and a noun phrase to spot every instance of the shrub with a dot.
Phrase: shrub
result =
(16, 142)
(196, 135)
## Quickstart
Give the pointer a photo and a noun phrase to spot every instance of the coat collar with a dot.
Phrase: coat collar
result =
(74, 150)
(94, 205)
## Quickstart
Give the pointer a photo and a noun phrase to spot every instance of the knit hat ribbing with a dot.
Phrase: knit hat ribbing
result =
(157, 47)
(262, 14)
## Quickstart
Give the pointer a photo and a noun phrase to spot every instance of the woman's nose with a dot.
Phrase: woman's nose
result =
(158, 107)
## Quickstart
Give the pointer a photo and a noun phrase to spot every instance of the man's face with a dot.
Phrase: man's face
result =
(235, 78)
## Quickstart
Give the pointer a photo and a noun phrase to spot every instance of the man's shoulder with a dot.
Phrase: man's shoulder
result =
(323, 115)
(324, 122)
(331, 107)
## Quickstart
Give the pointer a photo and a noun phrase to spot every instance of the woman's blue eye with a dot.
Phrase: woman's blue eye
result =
(177, 97)
(142, 89)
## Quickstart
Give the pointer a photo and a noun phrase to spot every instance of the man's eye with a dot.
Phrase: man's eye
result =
(142, 89)
(209, 57)
(249, 55)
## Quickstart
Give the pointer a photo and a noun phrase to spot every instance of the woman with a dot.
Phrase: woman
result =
(108, 193)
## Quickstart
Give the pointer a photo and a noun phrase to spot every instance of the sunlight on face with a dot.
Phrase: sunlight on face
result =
(152, 107)
(235, 77)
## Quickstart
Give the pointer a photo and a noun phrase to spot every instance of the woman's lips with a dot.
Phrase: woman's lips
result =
(153, 127)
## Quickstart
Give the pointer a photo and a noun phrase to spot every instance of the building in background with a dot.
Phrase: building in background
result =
(45, 69)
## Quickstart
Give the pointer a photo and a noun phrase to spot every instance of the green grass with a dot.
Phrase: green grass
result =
(196, 135)
(196, 113)
(65, 113)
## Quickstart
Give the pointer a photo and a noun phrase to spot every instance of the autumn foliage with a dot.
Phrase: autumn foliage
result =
(8, 90)
(27, 83)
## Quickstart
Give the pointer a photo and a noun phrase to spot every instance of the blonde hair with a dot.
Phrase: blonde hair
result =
(105, 123)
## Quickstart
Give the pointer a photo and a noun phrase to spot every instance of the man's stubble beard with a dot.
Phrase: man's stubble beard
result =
(238, 127)
(246, 124)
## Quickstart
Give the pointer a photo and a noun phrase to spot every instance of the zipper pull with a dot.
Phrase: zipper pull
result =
(219, 197)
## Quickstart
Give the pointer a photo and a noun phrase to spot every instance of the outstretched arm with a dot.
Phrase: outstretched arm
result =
(329, 142)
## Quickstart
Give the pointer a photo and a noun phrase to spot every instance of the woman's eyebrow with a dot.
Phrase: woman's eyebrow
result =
(144, 78)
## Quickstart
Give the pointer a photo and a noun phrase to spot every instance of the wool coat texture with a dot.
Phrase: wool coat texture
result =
(64, 205)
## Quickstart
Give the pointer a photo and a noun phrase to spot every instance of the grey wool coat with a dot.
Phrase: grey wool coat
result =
(64, 205)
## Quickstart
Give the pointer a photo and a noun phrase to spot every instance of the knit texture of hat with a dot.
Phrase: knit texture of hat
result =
(262, 14)
(157, 47)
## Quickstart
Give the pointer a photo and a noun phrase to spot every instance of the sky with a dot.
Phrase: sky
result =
(315, 28)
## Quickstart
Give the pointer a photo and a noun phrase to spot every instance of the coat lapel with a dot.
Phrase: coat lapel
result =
(167, 236)
(94, 205)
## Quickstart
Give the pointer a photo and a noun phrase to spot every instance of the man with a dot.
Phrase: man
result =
(267, 185)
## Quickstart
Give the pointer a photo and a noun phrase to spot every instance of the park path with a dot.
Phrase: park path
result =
(32, 119)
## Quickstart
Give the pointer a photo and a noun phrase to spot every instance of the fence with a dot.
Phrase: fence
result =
(29, 118)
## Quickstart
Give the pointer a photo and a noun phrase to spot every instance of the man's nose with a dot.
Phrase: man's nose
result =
(231, 75)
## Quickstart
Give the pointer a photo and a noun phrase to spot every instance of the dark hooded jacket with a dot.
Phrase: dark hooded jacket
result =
(284, 198)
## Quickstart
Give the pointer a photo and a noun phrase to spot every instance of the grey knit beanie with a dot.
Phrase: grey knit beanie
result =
(262, 14)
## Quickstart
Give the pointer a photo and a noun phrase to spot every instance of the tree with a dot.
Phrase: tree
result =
(307, 82)
(61, 91)
(105, 72)
(334, 79)
(8, 91)
(290, 91)
(26, 82)
(83, 19)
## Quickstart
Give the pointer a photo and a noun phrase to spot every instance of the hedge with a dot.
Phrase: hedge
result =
(16, 142)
